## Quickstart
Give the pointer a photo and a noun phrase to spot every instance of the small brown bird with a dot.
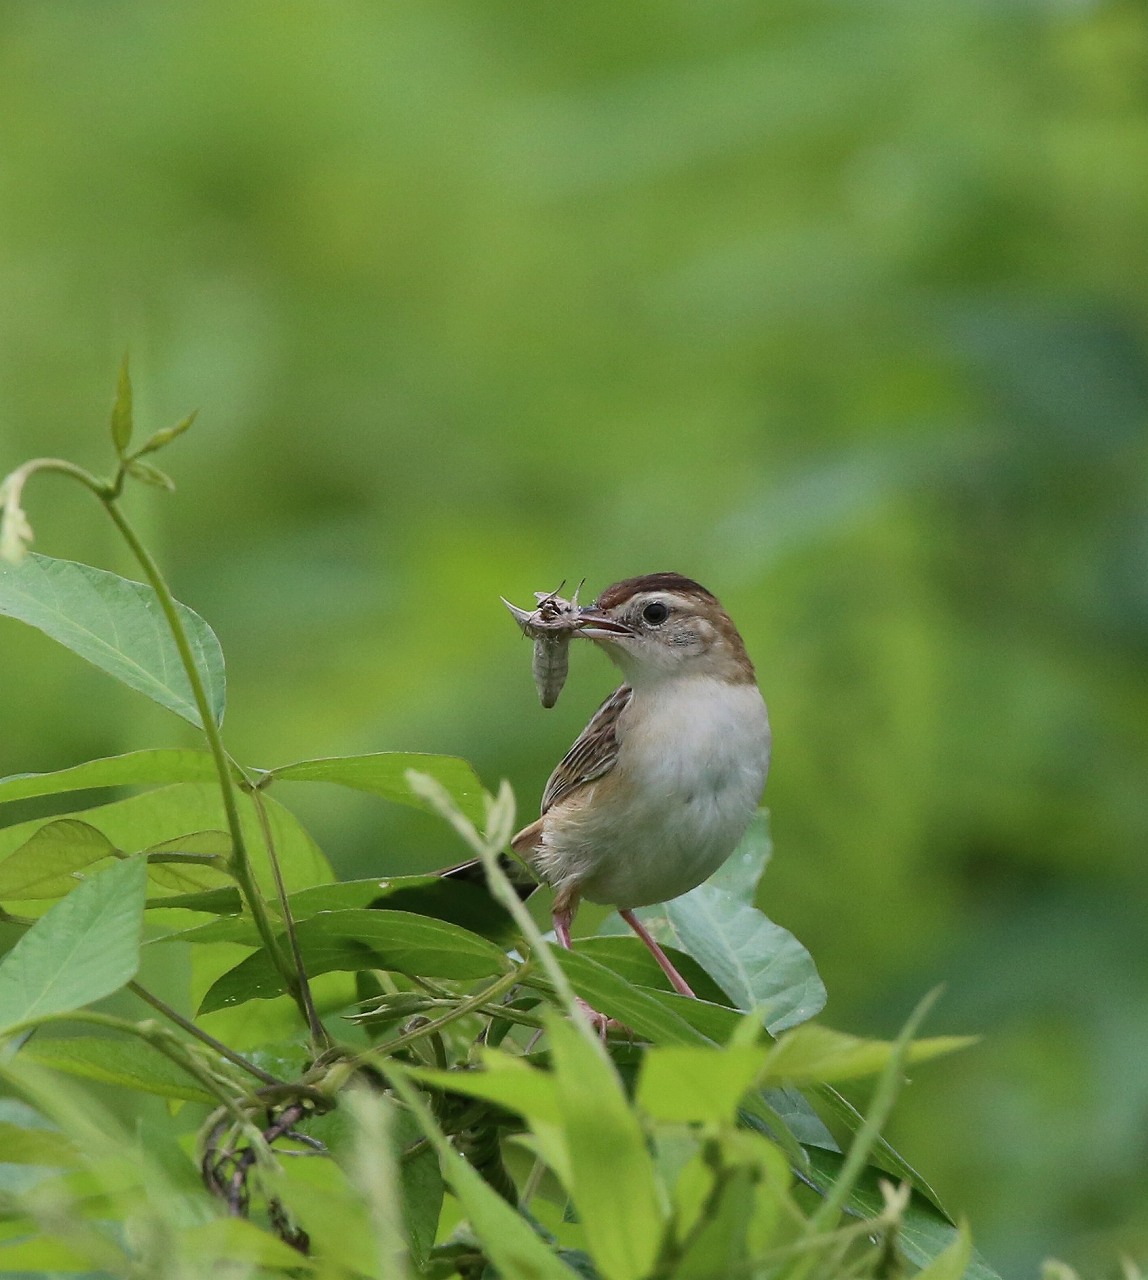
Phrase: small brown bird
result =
(661, 784)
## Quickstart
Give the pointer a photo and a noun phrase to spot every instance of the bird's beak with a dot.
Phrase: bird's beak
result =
(595, 624)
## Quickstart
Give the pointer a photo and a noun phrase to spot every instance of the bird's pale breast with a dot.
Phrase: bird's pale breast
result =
(693, 756)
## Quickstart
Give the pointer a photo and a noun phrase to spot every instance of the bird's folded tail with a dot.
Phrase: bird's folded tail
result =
(517, 872)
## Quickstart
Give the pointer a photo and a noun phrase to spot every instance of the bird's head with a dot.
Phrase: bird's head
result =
(664, 625)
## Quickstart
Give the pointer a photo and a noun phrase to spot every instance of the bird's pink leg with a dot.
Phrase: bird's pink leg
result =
(664, 961)
(565, 905)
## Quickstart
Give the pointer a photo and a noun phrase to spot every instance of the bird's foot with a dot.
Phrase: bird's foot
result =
(602, 1024)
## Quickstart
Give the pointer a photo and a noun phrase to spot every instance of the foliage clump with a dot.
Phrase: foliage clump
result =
(393, 1076)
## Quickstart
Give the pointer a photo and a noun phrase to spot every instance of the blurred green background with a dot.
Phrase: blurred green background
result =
(837, 307)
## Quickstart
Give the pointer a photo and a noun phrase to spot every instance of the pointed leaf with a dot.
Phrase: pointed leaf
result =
(45, 865)
(85, 948)
(756, 962)
(132, 1064)
(118, 626)
(122, 409)
(614, 1185)
(643, 1011)
(816, 1055)
(507, 1238)
(142, 821)
(384, 774)
(165, 435)
(683, 1084)
(357, 940)
(141, 768)
(148, 474)
(20, 1145)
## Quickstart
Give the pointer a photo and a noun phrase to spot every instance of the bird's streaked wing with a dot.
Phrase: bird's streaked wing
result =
(593, 755)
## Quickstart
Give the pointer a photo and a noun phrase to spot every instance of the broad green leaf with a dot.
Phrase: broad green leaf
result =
(642, 1011)
(951, 1263)
(506, 1080)
(885, 1156)
(614, 1184)
(355, 940)
(122, 409)
(743, 869)
(384, 774)
(143, 821)
(118, 626)
(235, 1241)
(925, 1232)
(686, 1083)
(45, 865)
(756, 962)
(132, 1064)
(457, 901)
(137, 768)
(48, 1147)
(512, 1245)
(86, 947)
(630, 959)
(45, 1255)
(812, 1054)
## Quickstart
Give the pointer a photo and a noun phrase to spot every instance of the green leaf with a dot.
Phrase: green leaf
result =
(684, 1084)
(384, 774)
(816, 1055)
(118, 626)
(507, 1238)
(353, 940)
(132, 1064)
(48, 1147)
(234, 1242)
(148, 474)
(743, 869)
(614, 1185)
(631, 959)
(884, 1156)
(951, 1263)
(122, 409)
(84, 948)
(137, 768)
(158, 439)
(46, 864)
(44, 1256)
(756, 962)
(147, 820)
(506, 1080)
(609, 994)
(925, 1232)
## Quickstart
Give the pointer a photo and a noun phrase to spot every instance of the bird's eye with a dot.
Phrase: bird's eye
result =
(655, 613)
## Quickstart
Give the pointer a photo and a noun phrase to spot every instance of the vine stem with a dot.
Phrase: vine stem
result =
(241, 861)
(319, 1037)
(217, 1046)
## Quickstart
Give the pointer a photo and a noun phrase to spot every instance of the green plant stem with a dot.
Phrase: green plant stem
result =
(320, 1040)
(470, 1005)
(217, 1046)
(240, 862)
